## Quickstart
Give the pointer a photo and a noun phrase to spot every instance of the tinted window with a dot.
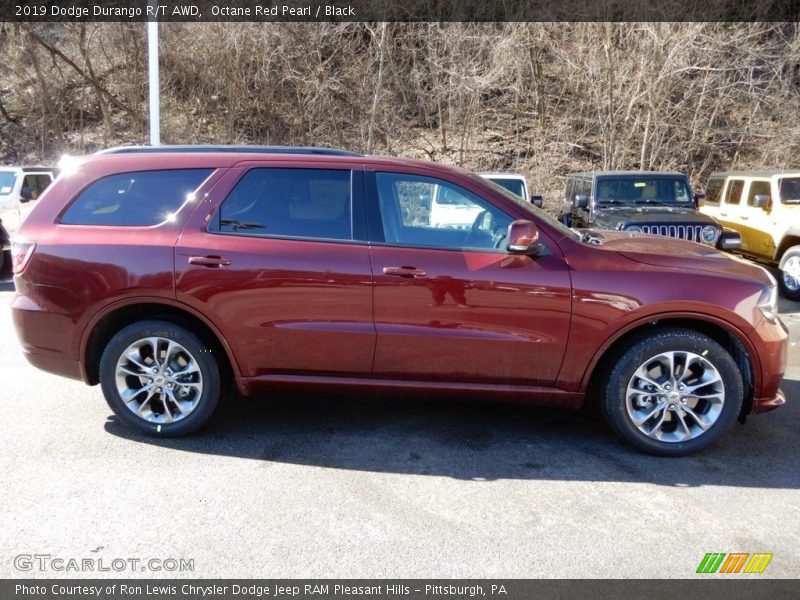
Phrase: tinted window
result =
(790, 190)
(36, 184)
(410, 218)
(134, 199)
(512, 185)
(734, 194)
(757, 188)
(714, 191)
(307, 203)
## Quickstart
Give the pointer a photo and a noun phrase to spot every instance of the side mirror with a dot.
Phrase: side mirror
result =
(523, 238)
(26, 194)
(761, 201)
(699, 200)
(729, 240)
(581, 201)
(537, 201)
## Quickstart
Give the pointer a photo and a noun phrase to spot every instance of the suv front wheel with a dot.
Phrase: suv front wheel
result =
(673, 393)
(160, 378)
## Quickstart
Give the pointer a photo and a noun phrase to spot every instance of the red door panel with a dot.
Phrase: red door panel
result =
(280, 313)
(288, 306)
(469, 316)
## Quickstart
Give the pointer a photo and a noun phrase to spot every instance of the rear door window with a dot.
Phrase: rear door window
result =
(734, 194)
(136, 199)
(302, 203)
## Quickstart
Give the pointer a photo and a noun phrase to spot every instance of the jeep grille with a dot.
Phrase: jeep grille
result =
(684, 232)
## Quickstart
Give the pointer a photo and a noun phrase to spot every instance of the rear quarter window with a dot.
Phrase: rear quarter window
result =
(136, 199)
(714, 191)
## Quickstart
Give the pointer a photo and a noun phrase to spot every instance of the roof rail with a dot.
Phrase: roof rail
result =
(239, 149)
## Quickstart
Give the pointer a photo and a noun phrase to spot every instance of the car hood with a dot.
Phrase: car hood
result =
(612, 215)
(679, 254)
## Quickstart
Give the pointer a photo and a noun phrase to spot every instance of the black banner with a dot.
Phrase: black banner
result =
(732, 588)
(399, 10)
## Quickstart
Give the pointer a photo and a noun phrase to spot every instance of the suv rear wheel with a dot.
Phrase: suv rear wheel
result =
(790, 273)
(673, 393)
(160, 378)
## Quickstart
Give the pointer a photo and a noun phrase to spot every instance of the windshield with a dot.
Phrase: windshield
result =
(7, 182)
(644, 190)
(533, 210)
(790, 190)
(512, 185)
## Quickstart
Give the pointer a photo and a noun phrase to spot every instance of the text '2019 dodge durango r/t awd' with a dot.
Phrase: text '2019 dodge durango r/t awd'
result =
(161, 274)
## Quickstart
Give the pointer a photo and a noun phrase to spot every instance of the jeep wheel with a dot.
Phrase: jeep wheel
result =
(673, 393)
(158, 378)
(790, 273)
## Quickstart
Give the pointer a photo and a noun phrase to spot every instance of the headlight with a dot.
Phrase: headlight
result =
(768, 303)
(709, 234)
(633, 229)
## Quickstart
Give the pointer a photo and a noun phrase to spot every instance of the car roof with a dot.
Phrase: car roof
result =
(761, 173)
(237, 149)
(27, 169)
(503, 175)
(627, 174)
(176, 157)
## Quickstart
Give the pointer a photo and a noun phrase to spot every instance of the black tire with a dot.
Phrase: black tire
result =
(208, 374)
(615, 402)
(792, 253)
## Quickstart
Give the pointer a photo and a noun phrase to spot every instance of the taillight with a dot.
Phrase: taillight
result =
(21, 253)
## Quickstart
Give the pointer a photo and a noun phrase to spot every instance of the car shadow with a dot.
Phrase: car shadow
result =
(480, 442)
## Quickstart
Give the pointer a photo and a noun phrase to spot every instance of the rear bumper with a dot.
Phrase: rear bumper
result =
(44, 337)
(58, 365)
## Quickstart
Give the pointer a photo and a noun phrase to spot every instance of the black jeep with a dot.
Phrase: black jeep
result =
(641, 201)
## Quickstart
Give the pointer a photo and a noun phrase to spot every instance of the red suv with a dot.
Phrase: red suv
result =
(164, 273)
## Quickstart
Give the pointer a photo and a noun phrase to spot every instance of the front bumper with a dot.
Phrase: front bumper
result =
(772, 346)
(762, 405)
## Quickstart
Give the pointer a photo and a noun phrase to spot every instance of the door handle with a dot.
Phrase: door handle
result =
(209, 261)
(745, 218)
(408, 272)
(723, 214)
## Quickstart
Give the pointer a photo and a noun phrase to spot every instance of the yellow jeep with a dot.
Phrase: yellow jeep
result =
(764, 207)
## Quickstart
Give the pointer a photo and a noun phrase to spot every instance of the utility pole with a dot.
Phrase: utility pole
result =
(152, 56)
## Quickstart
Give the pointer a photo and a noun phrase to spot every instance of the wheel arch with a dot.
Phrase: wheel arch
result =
(791, 239)
(730, 338)
(106, 324)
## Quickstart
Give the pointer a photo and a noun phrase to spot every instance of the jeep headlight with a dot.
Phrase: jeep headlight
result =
(709, 234)
(633, 229)
(768, 303)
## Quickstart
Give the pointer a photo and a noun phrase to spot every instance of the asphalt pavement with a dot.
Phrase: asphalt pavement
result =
(290, 485)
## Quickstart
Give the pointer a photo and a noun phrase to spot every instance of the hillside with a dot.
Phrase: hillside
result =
(541, 99)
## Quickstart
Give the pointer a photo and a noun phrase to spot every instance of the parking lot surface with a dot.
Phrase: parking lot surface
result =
(340, 486)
